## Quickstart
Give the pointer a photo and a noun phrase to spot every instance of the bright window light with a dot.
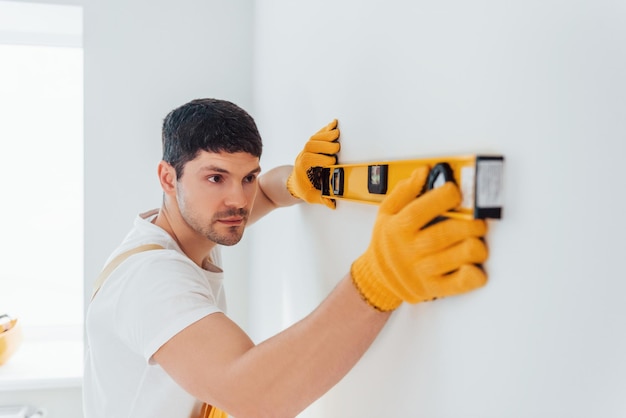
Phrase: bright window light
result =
(41, 137)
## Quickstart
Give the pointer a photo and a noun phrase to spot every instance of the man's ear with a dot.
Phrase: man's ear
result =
(167, 177)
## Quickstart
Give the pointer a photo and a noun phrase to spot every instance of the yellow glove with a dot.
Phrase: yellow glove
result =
(305, 181)
(412, 261)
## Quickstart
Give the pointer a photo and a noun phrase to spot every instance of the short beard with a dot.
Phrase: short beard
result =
(233, 234)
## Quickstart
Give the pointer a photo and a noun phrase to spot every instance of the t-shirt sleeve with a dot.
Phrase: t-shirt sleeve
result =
(161, 297)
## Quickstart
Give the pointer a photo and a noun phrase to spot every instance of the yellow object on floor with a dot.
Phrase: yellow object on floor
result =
(10, 339)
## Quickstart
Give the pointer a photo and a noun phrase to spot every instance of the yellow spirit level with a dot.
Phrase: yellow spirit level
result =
(479, 178)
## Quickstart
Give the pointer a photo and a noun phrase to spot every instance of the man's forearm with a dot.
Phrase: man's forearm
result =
(294, 368)
(215, 361)
(273, 192)
(274, 185)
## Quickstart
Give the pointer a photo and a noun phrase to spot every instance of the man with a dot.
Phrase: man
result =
(159, 341)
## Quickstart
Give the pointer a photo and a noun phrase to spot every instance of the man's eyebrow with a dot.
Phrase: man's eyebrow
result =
(255, 171)
(218, 169)
(213, 168)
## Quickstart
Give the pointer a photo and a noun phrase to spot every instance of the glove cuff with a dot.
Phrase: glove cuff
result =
(371, 290)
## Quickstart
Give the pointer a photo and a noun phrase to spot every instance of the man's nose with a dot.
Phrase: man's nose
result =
(236, 196)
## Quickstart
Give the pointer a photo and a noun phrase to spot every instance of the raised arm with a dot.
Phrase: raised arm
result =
(216, 361)
(408, 259)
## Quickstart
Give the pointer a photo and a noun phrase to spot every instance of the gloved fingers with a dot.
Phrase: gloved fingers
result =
(329, 202)
(305, 181)
(445, 234)
(309, 159)
(466, 278)
(405, 191)
(322, 147)
(428, 206)
(468, 251)
(328, 133)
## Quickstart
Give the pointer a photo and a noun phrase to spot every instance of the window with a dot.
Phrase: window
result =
(41, 139)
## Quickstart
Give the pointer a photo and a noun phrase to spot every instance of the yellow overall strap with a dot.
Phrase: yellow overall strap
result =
(117, 261)
(207, 411)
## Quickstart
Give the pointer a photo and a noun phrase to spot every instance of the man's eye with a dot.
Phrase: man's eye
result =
(250, 179)
(215, 179)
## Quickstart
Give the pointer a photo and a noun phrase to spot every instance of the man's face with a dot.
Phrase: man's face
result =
(216, 192)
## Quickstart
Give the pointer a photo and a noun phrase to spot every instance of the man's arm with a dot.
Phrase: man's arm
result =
(272, 193)
(409, 259)
(214, 360)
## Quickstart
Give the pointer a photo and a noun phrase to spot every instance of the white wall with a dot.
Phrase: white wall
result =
(541, 82)
(60, 398)
(538, 81)
(142, 59)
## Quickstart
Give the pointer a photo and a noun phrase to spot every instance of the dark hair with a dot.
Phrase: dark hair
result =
(211, 125)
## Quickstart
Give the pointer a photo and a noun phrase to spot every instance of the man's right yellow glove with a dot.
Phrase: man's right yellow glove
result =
(412, 261)
(305, 181)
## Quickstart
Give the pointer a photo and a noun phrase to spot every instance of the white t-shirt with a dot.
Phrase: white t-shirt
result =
(144, 302)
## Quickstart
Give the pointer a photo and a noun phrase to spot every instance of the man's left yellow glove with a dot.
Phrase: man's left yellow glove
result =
(305, 181)
(412, 260)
